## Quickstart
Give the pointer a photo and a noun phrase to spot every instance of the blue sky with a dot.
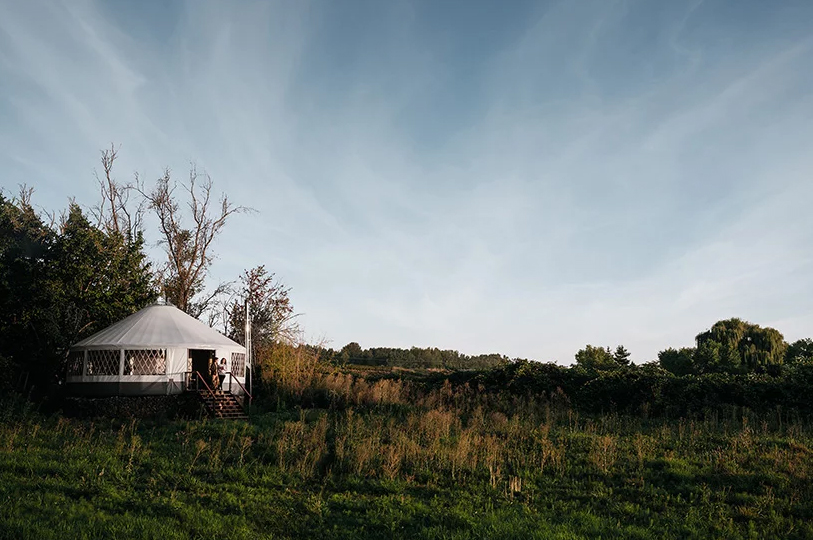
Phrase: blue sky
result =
(513, 177)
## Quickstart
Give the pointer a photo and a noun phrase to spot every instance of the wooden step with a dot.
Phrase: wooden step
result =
(223, 405)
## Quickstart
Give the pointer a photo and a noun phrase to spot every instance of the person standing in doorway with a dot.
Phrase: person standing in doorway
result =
(213, 373)
(221, 372)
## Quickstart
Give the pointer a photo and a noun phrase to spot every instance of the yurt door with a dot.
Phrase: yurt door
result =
(200, 363)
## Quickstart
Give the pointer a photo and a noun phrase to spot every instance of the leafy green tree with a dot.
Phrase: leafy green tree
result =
(800, 351)
(58, 285)
(351, 351)
(272, 314)
(734, 345)
(25, 242)
(596, 359)
(715, 357)
(96, 278)
(678, 361)
(602, 358)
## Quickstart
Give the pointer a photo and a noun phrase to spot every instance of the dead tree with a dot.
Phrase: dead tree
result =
(114, 213)
(189, 248)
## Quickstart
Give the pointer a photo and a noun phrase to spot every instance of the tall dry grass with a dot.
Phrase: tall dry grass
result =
(393, 429)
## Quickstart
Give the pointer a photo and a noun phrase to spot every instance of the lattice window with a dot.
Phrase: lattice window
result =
(145, 362)
(238, 364)
(103, 362)
(76, 359)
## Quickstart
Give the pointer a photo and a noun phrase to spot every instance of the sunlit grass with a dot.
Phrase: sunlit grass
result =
(430, 470)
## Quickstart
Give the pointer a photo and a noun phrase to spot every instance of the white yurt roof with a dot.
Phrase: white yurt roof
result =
(159, 325)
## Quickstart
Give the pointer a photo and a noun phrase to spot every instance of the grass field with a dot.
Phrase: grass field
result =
(434, 470)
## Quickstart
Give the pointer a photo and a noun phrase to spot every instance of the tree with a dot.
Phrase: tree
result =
(621, 356)
(97, 277)
(351, 351)
(25, 241)
(596, 358)
(272, 314)
(189, 249)
(602, 359)
(114, 214)
(800, 351)
(677, 361)
(60, 285)
(734, 345)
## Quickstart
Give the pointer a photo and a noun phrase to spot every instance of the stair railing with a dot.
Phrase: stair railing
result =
(199, 379)
(211, 405)
(233, 378)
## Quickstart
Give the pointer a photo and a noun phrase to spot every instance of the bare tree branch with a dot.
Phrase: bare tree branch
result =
(189, 250)
(24, 194)
(113, 213)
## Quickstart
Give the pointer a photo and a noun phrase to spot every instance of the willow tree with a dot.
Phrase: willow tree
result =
(737, 345)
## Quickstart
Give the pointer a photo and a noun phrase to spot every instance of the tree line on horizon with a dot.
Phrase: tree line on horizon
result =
(414, 357)
(730, 346)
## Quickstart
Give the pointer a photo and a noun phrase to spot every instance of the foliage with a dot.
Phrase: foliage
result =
(415, 357)
(25, 242)
(731, 346)
(97, 278)
(287, 373)
(734, 345)
(677, 361)
(601, 359)
(800, 351)
(272, 314)
(652, 389)
(62, 283)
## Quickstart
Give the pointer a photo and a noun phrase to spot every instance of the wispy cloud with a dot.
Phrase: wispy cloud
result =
(524, 181)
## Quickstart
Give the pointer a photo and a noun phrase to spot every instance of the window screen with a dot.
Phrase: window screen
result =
(145, 362)
(238, 364)
(103, 362)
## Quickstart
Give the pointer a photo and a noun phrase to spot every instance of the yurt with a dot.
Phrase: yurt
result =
(159, 350)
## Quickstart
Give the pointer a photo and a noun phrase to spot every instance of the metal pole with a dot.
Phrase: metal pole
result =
(249, 365)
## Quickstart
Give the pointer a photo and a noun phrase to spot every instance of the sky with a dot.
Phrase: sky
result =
(515, 177)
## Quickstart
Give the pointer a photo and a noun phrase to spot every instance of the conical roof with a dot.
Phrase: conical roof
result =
(158, 325)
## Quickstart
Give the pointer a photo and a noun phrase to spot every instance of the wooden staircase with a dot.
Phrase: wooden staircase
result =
(223, 405)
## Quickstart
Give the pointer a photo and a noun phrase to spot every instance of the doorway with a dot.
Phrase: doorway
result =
(200, 363)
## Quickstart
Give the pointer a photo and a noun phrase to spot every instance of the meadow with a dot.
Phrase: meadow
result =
(379, 461)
